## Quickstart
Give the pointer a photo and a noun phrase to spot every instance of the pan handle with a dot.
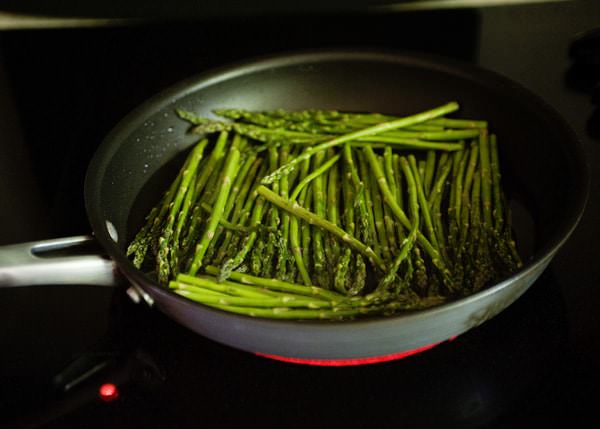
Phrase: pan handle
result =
(70, 260)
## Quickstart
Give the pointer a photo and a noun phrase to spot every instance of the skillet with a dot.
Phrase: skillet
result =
(544, 173)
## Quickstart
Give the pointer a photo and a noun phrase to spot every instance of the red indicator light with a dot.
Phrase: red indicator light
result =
(108, 392)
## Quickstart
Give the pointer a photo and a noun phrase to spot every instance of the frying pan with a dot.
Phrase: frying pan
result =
(543, 164)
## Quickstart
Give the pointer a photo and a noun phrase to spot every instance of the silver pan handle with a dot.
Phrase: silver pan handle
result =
(57, 261)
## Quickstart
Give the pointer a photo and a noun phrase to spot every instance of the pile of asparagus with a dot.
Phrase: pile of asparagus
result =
(331, 215)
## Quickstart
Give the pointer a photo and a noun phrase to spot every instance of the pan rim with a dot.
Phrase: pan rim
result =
(171, 95)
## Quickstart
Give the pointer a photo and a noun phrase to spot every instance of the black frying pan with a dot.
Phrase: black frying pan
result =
(543, 165)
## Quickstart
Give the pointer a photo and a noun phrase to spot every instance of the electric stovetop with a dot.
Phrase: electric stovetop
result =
(90, 357)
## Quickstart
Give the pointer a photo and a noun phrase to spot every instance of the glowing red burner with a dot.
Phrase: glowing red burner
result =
(349, 362)
(108, 392)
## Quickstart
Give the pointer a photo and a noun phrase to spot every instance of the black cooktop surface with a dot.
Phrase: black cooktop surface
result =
(64, 347)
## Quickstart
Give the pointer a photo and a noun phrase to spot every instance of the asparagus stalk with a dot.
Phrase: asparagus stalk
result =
(495, 172)
(295, 228)
(319, 124)
(182, 217)
(371, 239)
(486, 179)
(283, 256)
(389, 172)
(379, 218)
(162, 259)
(401, 216)
(468, 182)
(342, 271)
(233, 301)
(313, 219)
(190, 117)
(435, 204)
(203, 188)
(310, 177)
(287, 313)
(387, 126)
(233, 196)
(280, 285)
(149, 232)
(333, 188)
(217, 154)
(454, 213)
(225, 224)
(504, 243)
(422, 201)
(399, 198)
(184, 281)
(274, 220)
(242, 295)
(458, 123)
(408, 242)
(233, 263)
(306, 201)
(429, 172)
(319, 208)
(228, 175)
(363, 221)
(444, 140)
(387, 216)
(241, 213)
(350, 119)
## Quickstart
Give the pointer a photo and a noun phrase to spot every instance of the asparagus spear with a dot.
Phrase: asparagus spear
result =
(228, 175)
(495, 171)
(408, 242)
(274, 220)
(313, 219)
(327, 117)
(399, 198)
(280, 285)
(205, 282)
(202, 188)
(200, 289)
(283, 256)
(422, 201)
(319, 208)
(429, 171)
(355, 202)
(342, 271)
(454, 204)
(162, 259)
(143, 239)
(333, 249)
(295, 228)
(466, 196)
(229, 205)
(306, 201)
(241, 211)
(401, 216)
(504, 243)
(371, 239)
(486, 179)
(310, 177)
(359, 188)
(387, 126)
(233, 263)
(435, 204)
